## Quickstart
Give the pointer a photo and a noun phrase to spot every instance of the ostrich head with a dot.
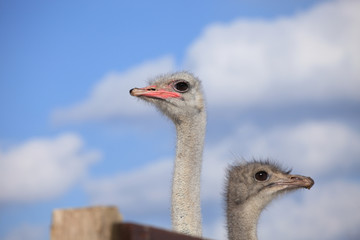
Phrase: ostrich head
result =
(178, 95)
(255, 184)
(250, 187)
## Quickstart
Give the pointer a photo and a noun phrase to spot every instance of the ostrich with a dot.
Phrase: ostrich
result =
(179, 96)
(250, 187)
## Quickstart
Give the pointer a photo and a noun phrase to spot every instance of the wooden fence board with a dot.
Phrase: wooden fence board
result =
(104, 223)
(91, 223)
(131, 231)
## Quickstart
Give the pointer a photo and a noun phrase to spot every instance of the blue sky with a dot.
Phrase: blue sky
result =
(281, 79)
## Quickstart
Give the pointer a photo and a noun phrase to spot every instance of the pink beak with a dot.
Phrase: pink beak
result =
(153, 92)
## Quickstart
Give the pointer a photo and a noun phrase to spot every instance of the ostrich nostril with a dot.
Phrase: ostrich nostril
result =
(132, 91)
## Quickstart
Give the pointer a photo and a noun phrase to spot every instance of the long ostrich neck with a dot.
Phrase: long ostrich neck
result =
(186, 211)
(242, 221)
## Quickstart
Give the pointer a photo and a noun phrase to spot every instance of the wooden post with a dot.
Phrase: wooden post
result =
(131, 231)
(104, 223)
(91, 223)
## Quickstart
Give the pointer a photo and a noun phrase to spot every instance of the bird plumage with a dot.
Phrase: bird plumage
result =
(179, 96)
(250, 187)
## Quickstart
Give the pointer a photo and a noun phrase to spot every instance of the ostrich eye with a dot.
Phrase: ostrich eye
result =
(261, 176)
(181, 86)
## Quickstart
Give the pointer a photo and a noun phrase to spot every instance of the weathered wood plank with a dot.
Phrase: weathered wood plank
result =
(131, 231)
(91, 223)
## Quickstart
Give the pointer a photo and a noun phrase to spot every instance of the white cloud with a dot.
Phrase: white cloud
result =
(319, 148)
(322, 150)
(325, 212)
(43, 168)
(310, 57)
(315, 149)
(142, 192)
(110, 98)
